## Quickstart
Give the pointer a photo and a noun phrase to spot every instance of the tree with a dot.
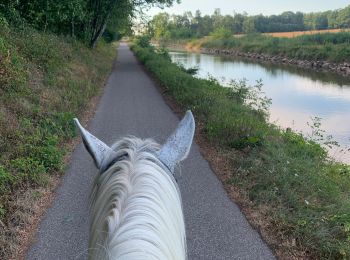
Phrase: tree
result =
(238, 20)
(188, 26)
(101, 11)
(159, 25)
(321, 22)
(343, 18)
(332, 19)
(206, 26)
(217, 19)
(249, 25)
(84, 19)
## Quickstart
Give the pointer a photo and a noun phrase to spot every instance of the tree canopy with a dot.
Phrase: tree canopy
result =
(87, 20)
(166, 26)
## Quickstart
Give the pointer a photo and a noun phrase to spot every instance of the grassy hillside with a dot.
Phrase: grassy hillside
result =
(332, 47)
(45, 81)
(300, 197)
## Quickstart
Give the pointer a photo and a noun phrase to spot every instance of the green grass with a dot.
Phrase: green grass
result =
(45, 81)
(305, 195)
(333, 47)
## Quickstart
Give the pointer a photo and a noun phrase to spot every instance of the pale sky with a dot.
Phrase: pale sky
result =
(253, 7)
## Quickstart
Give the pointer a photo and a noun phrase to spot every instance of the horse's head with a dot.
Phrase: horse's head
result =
(172, 152)
(136, 206)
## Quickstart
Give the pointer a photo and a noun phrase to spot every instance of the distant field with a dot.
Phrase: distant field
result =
(298, 33)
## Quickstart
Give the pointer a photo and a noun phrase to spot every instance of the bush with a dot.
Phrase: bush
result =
(143, 41)
(221, 33)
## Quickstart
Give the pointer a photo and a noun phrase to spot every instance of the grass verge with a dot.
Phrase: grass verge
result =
(287, 181)
(45, 81)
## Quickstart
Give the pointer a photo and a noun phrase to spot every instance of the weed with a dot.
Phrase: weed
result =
(5, 178)
(28, 170)
(318, 135)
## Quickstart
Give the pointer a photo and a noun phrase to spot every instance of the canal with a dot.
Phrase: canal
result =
(298, 95)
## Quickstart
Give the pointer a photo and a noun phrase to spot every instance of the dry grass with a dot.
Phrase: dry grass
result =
(30, 205)
(299, 33)
(193, 47)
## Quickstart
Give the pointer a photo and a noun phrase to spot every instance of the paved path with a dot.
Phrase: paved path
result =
(131, 105)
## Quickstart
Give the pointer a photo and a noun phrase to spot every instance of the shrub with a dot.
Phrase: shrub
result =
(221, 33)
(143, 41)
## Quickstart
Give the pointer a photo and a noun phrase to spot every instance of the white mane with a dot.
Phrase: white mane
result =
(136, 207)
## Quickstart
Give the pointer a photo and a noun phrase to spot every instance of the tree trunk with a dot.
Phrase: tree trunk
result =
(97, 36)
(73, 29)
(100, 19)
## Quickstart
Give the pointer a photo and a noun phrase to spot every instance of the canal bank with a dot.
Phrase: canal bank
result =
(284, 183)
(318, 65)
(299, 97)
(342, 68)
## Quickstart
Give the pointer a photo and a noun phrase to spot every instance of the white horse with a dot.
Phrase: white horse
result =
(136, 206)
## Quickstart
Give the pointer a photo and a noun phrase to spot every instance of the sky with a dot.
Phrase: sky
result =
(252, 7)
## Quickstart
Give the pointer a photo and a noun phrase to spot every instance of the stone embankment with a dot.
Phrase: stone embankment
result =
(339, 68)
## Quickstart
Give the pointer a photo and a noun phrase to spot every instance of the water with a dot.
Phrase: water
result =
(297, 95)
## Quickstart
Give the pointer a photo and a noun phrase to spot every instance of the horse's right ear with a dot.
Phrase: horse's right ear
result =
(179, 143)
(102, 154)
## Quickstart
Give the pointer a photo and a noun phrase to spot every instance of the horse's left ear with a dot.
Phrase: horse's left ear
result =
(179, 143)
(102, 154)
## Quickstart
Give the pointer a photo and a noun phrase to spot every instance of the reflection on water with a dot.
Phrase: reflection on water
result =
(297, 94)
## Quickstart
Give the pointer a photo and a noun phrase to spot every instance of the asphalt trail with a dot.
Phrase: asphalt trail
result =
(131, 105)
